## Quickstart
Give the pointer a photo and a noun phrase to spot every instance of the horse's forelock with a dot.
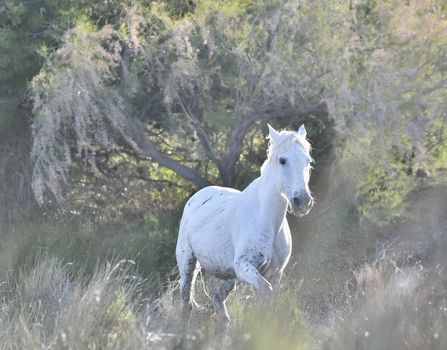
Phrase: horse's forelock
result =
(288, 138)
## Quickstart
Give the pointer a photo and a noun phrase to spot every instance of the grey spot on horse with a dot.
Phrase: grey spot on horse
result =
(206, 201)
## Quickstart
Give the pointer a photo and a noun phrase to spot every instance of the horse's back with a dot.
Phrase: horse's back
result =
(205, 227)
(210, 204)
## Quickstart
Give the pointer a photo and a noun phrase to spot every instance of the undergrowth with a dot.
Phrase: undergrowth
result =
(48, 304)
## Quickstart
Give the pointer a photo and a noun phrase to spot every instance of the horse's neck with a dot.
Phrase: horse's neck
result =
(271, 205)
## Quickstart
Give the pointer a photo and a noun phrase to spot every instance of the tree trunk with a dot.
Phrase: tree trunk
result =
(143, 146)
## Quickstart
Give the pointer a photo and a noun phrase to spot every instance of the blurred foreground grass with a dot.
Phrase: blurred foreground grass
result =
(48, 304)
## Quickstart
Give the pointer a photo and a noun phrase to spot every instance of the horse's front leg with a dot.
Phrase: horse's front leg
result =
(282, 249)
(247, 268)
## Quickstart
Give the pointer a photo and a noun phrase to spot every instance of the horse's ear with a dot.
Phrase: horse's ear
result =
(273, 134)
(302, 131)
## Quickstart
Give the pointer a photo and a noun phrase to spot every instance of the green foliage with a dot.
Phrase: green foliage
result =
(27, 28)
(388, 96)
(16, 198)
(183, 67)
(383, 191)
(197, 82)
(27, 25)
(436, 163)
(186, 85)
(191, 81)
(150, 243)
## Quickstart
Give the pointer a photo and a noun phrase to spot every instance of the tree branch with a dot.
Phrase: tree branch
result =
(146, 148)
(203, 136)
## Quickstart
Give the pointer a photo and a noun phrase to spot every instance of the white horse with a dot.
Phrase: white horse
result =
(245, 235)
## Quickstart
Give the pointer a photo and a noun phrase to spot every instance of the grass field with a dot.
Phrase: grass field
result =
(49, 304)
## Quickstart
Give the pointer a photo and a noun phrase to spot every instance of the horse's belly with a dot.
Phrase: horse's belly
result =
(215, 252)
(220, 271)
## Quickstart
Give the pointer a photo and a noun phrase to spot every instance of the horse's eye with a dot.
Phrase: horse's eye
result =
(283, 161)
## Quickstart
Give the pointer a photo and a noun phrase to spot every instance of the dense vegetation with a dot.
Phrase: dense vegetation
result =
(112, 113)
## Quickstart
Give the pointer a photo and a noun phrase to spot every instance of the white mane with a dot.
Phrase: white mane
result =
(288, 139)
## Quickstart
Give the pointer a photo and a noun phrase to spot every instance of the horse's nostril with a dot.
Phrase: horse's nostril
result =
(296, 201)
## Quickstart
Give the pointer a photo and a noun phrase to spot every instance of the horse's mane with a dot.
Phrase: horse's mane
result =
(288, 138)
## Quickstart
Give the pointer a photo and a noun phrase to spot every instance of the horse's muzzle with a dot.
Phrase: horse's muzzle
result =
(301, 205)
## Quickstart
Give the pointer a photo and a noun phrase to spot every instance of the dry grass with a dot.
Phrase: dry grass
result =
(393, 308)
(50, 305)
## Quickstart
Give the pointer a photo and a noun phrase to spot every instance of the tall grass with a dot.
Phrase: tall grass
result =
(394, 307)
(50, 304)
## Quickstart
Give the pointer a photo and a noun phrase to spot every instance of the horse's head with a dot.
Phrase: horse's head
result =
(289, 163)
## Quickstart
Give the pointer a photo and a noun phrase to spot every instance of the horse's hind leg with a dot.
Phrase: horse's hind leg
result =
(188, 269)
(219, 298)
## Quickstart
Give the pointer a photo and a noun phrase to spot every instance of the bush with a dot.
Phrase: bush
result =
(150, 243)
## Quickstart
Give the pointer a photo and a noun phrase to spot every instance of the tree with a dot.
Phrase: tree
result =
(202, 83)
(392, 88)
(26, 27)
(180, 99)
